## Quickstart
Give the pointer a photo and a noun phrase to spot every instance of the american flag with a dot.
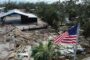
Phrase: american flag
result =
(68, 37)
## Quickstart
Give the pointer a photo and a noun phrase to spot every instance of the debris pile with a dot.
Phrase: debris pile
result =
(12, 39)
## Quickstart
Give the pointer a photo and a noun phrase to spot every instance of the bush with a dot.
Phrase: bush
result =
(86, 28)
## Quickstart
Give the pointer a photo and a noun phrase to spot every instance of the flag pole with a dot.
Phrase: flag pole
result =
(75, 46)
(75, 50)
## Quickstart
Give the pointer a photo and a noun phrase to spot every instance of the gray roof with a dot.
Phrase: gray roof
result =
(18, 12)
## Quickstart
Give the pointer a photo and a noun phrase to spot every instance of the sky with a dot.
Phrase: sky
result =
(32, 1)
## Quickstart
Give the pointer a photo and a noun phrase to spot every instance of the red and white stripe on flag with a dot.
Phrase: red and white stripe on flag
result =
(65, 38)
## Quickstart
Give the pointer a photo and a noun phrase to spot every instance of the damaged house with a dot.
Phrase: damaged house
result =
(21, 19)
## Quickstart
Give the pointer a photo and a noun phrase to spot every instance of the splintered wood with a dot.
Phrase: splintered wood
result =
(12, 35)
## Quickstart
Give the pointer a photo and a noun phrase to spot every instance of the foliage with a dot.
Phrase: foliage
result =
(45, 52)
(86, 32)
(48, 13)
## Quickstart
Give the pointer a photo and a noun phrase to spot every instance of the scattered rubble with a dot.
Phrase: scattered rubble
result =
(12, 39)
(14, 42)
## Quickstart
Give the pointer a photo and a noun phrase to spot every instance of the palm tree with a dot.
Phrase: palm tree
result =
(45, 52)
